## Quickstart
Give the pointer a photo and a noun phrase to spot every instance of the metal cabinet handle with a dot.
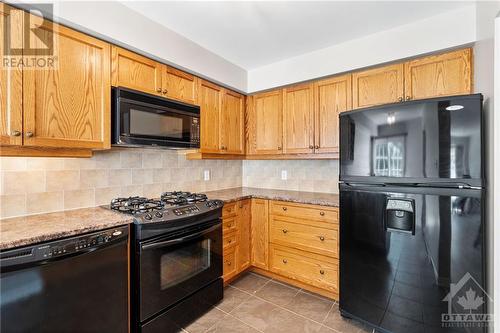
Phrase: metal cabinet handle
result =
(158, 90)
(400, 99)
(408, 98)
(322, 272)
(228, 263)
(285, 231)
(321, 238)
(285, 261)
(16, 133)
(322, 213)
(165, 91)
(29, 134)
(311, 147)
(284, 208)
(316, 147)
(279, 147)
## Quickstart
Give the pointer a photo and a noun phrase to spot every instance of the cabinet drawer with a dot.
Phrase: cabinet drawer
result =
(229, 266)
(229, 209)
(229, 224)
(303, 236)
(314, 212)
(310, 268)
(229, 240)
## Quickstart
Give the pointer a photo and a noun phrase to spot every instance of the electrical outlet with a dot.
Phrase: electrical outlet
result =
(206, 175)
(284, 175)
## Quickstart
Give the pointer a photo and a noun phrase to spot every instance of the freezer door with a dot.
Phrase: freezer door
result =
(438, 140)
(401, 249)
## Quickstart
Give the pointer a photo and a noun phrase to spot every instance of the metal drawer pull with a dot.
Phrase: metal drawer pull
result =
(285, 261)
(285, 231)
(284, 208)
(322, 272)
(229, 241)
(322, 213)
(321, 238)
(229, 263)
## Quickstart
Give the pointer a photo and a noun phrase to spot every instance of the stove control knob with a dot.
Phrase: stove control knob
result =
(148, 216)
(159, 214)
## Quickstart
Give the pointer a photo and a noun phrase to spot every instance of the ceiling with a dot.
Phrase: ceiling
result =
(255, 34)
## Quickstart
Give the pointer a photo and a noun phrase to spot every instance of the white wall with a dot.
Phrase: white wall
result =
(495, 181)
(486, 64)
(436, 33)
(115, 22)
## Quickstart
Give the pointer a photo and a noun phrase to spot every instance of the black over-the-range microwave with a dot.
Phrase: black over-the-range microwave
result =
(144, 120)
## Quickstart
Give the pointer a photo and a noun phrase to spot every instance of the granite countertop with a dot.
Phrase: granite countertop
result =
(239, 193)
(20, 231)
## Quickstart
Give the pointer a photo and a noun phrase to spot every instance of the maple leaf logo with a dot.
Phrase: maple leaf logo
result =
(470, 301)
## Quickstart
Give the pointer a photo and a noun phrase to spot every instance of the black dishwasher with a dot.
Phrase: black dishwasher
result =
(77, 284)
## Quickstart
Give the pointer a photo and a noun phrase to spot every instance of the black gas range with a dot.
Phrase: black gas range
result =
(176, 259)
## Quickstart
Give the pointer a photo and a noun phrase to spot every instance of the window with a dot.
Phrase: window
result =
(388, 156)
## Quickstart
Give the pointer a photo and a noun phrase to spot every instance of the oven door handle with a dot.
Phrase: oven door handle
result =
(179, 240)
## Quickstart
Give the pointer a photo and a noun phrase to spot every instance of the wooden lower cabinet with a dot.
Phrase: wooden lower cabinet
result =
(297, 243)
(260, 233)
(317, 270)
(244, 236)
(236, 219)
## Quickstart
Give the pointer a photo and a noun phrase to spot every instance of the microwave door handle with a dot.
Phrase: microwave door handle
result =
(178, 240)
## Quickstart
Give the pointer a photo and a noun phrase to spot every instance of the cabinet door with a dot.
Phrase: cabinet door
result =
(265, 123)
(11, 83)
(133, 71)
(332, 96)
(376, 86)
(298, 126)
(232, 123)
(210, 108)
(244, 222)
(180, 85)
(260, 233)
(69, 106)
(439, 75)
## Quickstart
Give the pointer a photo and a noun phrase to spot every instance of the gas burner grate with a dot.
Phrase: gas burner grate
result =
(177, 198)
(135, 205)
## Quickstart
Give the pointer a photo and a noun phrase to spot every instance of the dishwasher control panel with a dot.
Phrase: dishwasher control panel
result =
(62, 247)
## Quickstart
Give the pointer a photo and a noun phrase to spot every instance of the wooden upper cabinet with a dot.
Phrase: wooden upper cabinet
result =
(69, 106)
(439, 75)
(381, 85)
(210, 99)
(133, 71)
(298, 119)
(265, 123)
(232, 123)
(332, 96)
(11, 82)
(180, 85)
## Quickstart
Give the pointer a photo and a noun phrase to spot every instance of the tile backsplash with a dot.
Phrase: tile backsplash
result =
(31, 185)
(302, 175)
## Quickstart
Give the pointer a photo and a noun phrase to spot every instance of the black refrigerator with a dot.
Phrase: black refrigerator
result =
(412, 216)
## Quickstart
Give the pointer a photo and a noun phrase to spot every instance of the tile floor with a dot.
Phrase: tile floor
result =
(254, 303)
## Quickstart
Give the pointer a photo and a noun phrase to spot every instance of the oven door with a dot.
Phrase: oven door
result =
(173, 267)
